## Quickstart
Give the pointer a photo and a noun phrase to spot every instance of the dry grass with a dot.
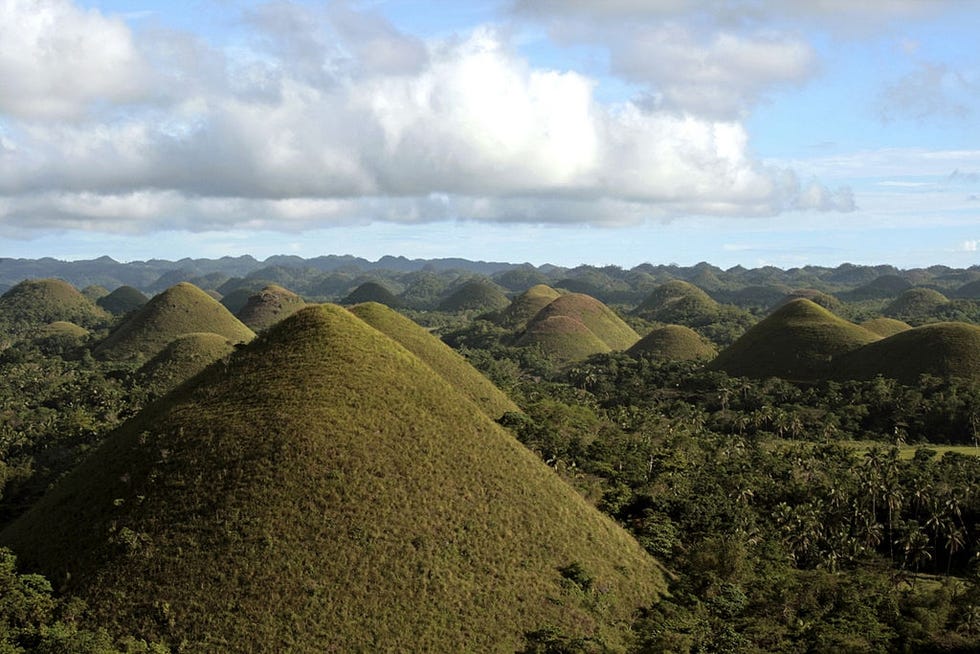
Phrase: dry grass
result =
(596, 316)
(267, 307)
(674, 343)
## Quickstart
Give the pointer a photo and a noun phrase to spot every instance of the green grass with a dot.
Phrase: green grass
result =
(372, 292)
(916, 304)
(34, 303)
(267, 307)
(122, 300)
(440, 357)
(797, 342)
(475, 295)
(885, 327)
(596, 316)
(907, 452)
(525, 306)
(327, 491)
(181, 309)
(562, 338)
(828, 302)
(677, 302)
(182, 358)
(674, 343)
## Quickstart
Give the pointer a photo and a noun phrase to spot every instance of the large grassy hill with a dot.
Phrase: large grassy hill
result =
(439, 356)
(678, 302)
(122, 300)
(182, 358)
(373, 292)
(562, 338)
(674, 343)
(325, 490)
(36, 302)
(525, 306)
(181, 309)
(269, 306)
(479, 295)
(950, 349)
(916, 304)
(794, 342)
(596, 316)
(885, 327)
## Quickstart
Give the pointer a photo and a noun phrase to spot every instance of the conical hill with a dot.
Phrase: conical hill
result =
(885, 327)
(916, 304)
(372, 292)
(36, 302)
(525, 306)
(674, 343)
(828, 302)
(477, 295)
(181, 309)
(122, 300)
(182, 358)
(269, 306)
(794, 342)
(351, 501)
(562, 338)
(949, 349)
(596, 316)
(678, 302)
(440, 357)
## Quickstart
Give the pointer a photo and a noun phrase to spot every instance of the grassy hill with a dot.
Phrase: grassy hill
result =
(525, 306)
(182, 358)
(916, 304)
(372, 292)
(327, 491)
(476, 295)
(439, 356)
(122, 300)
(563, 338)
(37, 302)
(269, 306)
(950, 349)
(828, 302)
(884, 287)
(596, 316)
(678, 302)
(885, 327)
(794, 342)
(674, 343)
(181, 309)
(969, 291)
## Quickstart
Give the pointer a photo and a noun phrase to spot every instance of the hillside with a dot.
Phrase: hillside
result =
(885, 327)
(674, 343)
(476, 295)
(122, 300)
(372, 292)
(949, 349)
(596, 316)
(181, 359)
(794, 342)
(678, 302)
(267, 307)
(352, 501)
(440, 357)
(37, 302)
(562, 338)
(916, 304)
(525, 306)
(181, 309)
(828, 302)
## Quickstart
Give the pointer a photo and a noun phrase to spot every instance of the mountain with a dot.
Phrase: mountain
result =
(440, 357)
(326, 490)
(950, 349)
(37, 302)
(797, 342)
(181, 309)
(269, 306)
(674, 343)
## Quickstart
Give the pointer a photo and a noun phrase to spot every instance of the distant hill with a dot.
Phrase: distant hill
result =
(828, 302)
(267, 307)
(181, 309)
(949, 349)
(674, 343)
(885, 327)
(122, 300)
(182, 358)
(525, 306)
(353, 500)
(440, 357)
(476, 295)
(596, 316)
(37, 302)
(969, 291)
(884, 287)
(796, 342)
(563, 338)
(373, 292)
(916, 304)
(678, 302)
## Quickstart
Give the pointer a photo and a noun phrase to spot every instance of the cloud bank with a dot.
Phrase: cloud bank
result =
(316, 117)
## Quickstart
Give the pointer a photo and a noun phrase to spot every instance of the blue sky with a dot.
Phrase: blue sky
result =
(581, 131)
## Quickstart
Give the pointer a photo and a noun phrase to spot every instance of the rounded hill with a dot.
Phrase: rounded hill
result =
(269, 306)
(439, 356)
(181, 309)
(828, 302)
(372, 292)
(886, 286)
(916, 304)
(36, 302)
(563, 338)
(476, 295)
(949, 349)
(352, 501)
(674, 343)
(182, 358)
(796, 342)
(596, 316)
(678, 302)
(525, 306)
(885, 327)
(122, 300)
(969, 291)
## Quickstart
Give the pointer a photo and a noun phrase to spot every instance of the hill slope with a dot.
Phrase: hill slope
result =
(36, 302)
(525, 306)
(269, 306)
(372, 292)
(352, 501)
(596, 316)
(674, 343)
(440, 357)
(122, 300)
(181, 309)
(795, 342)
(562, 338)
(478, 294)
(885, 327)
(678, 302)
(182, 358)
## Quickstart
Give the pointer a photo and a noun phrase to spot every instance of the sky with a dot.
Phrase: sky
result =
(737, 132)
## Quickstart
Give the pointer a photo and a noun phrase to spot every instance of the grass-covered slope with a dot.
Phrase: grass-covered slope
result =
(439, 356)
(525, 306)
(122, 300)
(324, 491)
(674, 343)
(794, 342)
(828, 302)
(181, 309)
(372, 292)
(37, 302)
(182, 358)
(885, 327)
(475, 295)
(677, 302)
(267, 307)
(950, 349)
(596, 316)
(916, 304)
(562, 338)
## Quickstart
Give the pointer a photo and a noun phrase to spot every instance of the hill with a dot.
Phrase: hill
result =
(969, 291)
(674, 343)
(525, 306)
(563, 338)
(352, 501)
(122, 300)
(886, 286)
(269, 306)
(372, 292)
(181, 309)
(440, 357)
(828, 302)
(476, 295)
(885, 327)
(794, 342)
(678, 302)
(34, 303)
(181, 359)
(916, 304)
(950, 349)
(596, 316)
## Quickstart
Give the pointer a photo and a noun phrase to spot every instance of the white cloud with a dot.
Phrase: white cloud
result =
(970, 246)
(932, 90)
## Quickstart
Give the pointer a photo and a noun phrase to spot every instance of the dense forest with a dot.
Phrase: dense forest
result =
(798, 449)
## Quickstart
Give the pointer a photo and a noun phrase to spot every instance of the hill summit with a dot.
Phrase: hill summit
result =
(36, 302)
(352, 501)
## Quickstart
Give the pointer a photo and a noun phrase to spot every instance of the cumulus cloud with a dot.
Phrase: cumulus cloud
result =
(929, 91)
(333, 116)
